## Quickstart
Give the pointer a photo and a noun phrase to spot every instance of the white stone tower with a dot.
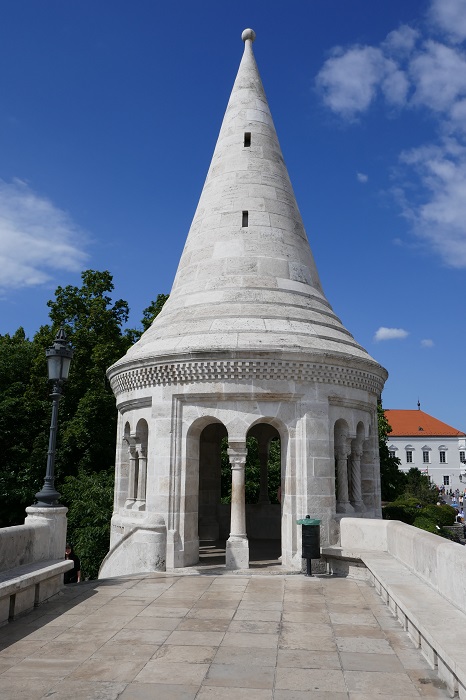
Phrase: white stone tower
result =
(246, 345)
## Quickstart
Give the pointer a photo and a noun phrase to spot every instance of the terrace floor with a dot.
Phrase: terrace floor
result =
(211, 634)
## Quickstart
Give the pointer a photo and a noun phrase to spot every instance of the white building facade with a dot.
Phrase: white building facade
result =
(435, 448)
(246, 345)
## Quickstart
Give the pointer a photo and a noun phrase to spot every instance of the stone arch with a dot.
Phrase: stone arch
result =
(122, 467)
(141, 439)
(342, 447)
(354, 469)
(263, 431)
(283, 434)
(200, 488)
(136, 442)
(263, 517)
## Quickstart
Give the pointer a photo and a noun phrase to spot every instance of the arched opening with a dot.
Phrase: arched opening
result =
(263, 495)
(136, 444)
(354, 470)
(213, 520)
(342, 447)
(141, 438)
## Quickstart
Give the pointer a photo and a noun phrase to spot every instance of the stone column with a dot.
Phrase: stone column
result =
(356, 495)
(237, 546)
(264, 476)
(343, 504)
(142, 477)
(131, 477)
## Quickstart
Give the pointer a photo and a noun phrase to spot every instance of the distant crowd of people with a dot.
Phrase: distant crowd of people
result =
(456, 500)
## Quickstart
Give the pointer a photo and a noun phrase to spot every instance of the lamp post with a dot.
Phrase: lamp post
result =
(58, 363)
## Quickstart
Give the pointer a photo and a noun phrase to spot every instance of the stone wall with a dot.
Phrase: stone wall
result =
(438, 562)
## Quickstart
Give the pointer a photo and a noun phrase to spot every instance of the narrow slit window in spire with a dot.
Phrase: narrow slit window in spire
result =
(247, 139)
(245, 223)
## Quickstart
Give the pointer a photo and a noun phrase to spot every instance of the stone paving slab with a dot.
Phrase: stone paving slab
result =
(213, 636)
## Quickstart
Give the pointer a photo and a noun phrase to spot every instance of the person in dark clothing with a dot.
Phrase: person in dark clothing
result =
(74, 574)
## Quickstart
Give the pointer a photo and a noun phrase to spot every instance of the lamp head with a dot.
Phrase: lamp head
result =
(59, 357)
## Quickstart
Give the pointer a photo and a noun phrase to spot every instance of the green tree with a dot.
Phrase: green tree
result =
(94, 326)
(22, 416)
(153, 310)
(419, 486)
(84, 472)
(89, 497)
(392, 480)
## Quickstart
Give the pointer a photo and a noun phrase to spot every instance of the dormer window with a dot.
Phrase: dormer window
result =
(247, 139)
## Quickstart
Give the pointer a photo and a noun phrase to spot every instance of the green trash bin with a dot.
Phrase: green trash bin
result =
(310, 540)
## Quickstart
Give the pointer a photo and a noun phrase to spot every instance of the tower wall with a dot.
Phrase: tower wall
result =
(246, 337)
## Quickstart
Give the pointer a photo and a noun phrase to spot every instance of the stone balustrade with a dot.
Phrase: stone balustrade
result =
(32, 561)
(422, 579)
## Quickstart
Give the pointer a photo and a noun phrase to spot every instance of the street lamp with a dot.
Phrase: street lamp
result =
(58, 363)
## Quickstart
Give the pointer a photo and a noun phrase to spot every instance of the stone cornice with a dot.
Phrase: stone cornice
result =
(347, 403)
(142, 402)
(127, 379)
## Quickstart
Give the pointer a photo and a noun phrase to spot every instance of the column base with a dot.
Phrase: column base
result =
(359, 506)
(345, 507)
(237, 553)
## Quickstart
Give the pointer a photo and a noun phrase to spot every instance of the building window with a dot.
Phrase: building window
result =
(443, 457)
(409, 456)
(391, 454)
(247, 139)
(245, 223)
(446, 481)
(425, 456)
(462, 456)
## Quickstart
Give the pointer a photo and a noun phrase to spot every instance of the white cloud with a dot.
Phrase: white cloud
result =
(450, 16)
(438, 73)
(349, 79)
(440, 217)
(361, 177)
(411, 70)
(390, 334)
(427, 343)
(36, 238)
(401, 41)
(395, 86)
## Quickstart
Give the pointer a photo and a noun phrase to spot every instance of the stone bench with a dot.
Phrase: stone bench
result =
(434, 623)
(25, 587)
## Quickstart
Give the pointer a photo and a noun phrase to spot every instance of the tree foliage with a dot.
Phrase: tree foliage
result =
(413, 511)
(153, 310)
(84, 471)
(23, 419)
(419, 486)
(392, 480)
(89, 497)
(94, 326)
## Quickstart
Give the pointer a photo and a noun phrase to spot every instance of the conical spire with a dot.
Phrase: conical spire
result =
(247, 280)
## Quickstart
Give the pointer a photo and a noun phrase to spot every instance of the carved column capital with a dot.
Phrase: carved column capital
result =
(237, 454)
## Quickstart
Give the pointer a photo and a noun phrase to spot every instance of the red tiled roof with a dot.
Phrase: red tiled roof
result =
(415, 423)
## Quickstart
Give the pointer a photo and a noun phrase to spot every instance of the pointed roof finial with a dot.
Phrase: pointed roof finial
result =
(418, 405)
(248, 34)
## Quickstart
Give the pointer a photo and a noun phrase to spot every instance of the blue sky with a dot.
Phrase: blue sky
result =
(109, 113)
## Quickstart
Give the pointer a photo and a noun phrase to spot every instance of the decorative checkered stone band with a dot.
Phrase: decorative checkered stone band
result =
(243, 370)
